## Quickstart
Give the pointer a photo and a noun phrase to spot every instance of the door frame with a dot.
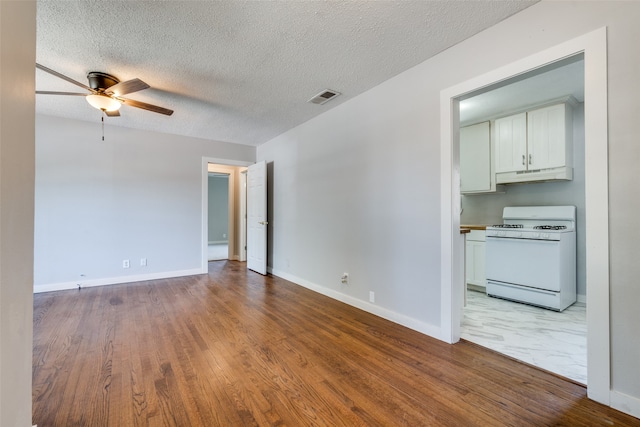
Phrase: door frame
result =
(204, 227)
(243, 215)
(594, 47)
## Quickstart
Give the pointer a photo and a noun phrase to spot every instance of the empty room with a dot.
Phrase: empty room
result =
(422, 212)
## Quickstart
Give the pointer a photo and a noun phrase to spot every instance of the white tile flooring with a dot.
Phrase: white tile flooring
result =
(550, 340)
(218, 251)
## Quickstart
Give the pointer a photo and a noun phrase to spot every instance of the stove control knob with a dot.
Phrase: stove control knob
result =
(546, 236)
(517, 234)
(535, 235)
(502, 233)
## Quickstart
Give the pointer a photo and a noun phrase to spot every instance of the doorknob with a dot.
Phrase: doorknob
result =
(263, 222)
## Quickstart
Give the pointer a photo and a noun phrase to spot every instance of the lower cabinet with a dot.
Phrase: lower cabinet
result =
(475, 259)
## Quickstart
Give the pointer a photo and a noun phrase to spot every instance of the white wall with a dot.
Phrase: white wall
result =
(136, 195)
(17, 106)
(487, 208)
(218, 208)
(357, 189)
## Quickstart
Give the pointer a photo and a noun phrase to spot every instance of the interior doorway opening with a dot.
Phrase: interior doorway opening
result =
(223, 211)
(554, 341)
(218, 216)
(594, 47)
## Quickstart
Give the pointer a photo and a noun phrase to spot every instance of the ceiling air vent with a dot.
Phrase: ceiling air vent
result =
(324, 96)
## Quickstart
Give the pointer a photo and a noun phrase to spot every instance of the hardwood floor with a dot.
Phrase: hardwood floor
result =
(233, 348)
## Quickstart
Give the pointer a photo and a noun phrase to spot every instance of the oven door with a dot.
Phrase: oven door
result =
(524, 262)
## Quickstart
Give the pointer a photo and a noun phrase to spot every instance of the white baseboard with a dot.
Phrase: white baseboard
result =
(392, 316)
(625, 403)
(62, 286)
(218, 242)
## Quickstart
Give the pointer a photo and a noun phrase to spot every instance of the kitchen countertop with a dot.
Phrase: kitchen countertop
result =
(474, 226)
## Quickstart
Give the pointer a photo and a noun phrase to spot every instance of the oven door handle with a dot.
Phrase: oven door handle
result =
(524, 239)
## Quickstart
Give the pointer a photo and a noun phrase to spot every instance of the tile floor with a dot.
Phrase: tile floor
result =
(550, 340)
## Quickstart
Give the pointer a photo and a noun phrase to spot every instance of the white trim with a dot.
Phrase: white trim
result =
(63, 286)
(625, 403)
(594, 47)
(243, 216)
(581, 298)
(217, 242)
(392, 316)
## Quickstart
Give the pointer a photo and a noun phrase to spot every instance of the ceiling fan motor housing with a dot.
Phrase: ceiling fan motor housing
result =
(101, 81)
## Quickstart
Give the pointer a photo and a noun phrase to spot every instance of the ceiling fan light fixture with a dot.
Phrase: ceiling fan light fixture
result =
(103, 102)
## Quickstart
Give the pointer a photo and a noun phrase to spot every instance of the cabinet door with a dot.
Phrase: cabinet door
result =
(475, 158)
(475, 260)
(511, 143)
(546, 137)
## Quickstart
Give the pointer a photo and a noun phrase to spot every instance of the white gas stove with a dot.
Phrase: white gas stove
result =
(531, 257)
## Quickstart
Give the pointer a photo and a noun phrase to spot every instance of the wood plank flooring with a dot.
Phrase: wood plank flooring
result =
(233, 348)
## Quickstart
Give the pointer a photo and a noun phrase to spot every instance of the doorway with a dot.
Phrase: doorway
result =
(554, 341)
(593, 45)
(218, 216)
(228, 239)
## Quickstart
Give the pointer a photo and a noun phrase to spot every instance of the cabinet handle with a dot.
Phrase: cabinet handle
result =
(523, 160)
(529, 158)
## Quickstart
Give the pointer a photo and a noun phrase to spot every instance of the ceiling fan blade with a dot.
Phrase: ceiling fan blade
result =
(63, 77)
(129, 86)
(50, 92)
(114, 113)
(146, 106)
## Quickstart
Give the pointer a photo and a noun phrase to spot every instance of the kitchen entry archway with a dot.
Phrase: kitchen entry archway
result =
(593, 46)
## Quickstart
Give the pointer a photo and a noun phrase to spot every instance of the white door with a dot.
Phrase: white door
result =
(257, 218)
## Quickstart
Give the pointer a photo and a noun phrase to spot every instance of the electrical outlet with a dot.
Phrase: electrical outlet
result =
(372, 296)
(143, 262)
(125, 263)
(345, 278)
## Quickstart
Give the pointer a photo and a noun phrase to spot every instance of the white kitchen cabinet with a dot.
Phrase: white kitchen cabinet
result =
(534, 146)
(476, 174)
(548, 137)
(511, 143)
(475, 258)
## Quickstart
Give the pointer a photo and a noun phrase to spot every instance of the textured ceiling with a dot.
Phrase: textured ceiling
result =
(242, 72)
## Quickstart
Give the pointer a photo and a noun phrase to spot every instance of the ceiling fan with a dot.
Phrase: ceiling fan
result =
(106, 92)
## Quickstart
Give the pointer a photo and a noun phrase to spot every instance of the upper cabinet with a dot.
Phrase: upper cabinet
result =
(534, 146)
(549, 137)
(475, 159)
(511, 143)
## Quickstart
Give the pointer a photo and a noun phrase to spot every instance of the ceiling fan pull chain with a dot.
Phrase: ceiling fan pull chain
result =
(102, 125)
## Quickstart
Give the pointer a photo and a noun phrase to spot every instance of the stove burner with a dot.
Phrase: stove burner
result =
(550, 227)
(507, 226)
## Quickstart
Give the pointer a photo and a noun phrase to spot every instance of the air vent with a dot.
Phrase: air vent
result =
(324, 96)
